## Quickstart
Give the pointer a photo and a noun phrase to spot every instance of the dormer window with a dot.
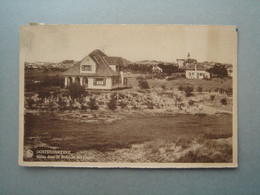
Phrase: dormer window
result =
(86, 68)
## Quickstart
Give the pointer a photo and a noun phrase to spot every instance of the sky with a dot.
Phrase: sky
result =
(55, 43)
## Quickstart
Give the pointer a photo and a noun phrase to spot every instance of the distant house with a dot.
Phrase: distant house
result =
(196, 71)
(97, 71)
(157, 69)
(230, 70)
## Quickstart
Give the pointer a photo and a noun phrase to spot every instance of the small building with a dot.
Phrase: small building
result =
(196, 71)
(157, 69)
(97, 71)
(230, 70)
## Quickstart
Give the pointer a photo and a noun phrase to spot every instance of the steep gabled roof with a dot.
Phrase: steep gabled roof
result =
(103, 68)
(112, 60)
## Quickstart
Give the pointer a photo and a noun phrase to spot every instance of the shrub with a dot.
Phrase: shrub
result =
(178, 99)
(188, 90)
(180, 88)
(92, 104)
(143, 84)
(160, 75)
(150, 105)
(76, 91)
(199, 89)
(223, 101)
(221, 90)
(191, 103)
(122, 104)
(171, 78)
(212, 97)
(139, 78)
(163, 87)
(112, 104)
(229, 91)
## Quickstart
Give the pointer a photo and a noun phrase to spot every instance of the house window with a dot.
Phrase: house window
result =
(86, 67)
(100, 81)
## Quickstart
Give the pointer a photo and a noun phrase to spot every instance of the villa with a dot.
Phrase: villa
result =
(196, 71)
(97, 71)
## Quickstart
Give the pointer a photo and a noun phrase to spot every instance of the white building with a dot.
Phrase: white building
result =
(230, 71)
(196, 71)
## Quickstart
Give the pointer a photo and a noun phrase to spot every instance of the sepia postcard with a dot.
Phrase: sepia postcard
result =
(133, 96)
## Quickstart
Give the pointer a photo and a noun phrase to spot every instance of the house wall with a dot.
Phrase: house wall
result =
(199, 74)
(88, 61)
(107, 86)
(90, 82)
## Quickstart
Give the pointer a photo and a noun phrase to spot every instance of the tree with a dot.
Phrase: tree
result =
(219, 70)
(76, 91)
(92, 104)
(188, 90)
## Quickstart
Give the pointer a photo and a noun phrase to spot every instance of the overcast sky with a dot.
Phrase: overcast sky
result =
(55, 43)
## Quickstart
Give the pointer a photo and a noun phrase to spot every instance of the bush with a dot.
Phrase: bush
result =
(229, 91)
(92, 104)
(171, 78)
(180, 88)
(150, 105)
(188, 90)
(199, 89)
(143, 84)
(76, 91)
(163, 87)
(122, 104)
(191, 103)
(178, 99)
(160, 75)
(221, 90)
(212, 97)
(112, 104)
(223, 101)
